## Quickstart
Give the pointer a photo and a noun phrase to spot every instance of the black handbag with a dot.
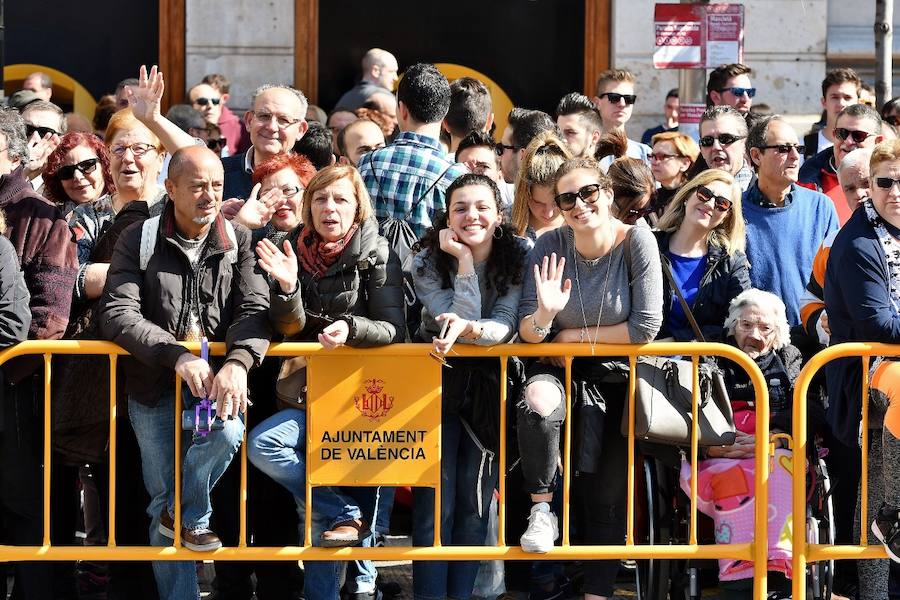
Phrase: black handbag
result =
(664, 391)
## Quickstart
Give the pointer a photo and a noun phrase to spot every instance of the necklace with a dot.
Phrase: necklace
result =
(592, 342)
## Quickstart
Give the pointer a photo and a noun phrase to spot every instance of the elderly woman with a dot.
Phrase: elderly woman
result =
(757, 325)
(594, 281)
(468, 276)
(335, 281)
(634, 191)
(673, 155)
(862, 297)
(701, 242)
(533, 209)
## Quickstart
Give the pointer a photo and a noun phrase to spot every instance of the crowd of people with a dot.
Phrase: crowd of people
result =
(398, 218)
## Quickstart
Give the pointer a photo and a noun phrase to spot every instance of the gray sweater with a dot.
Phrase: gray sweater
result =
(633, 295)
(469, 297)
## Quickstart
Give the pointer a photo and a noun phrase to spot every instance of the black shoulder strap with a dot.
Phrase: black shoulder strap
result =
(375, 175)
(428, 191)
(684, 305)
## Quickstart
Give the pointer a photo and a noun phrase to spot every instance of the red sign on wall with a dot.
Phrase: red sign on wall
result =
(698, 36)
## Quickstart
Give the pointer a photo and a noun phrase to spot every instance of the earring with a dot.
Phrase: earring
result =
(498, 232)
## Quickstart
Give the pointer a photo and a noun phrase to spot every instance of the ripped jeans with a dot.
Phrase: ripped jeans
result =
(600, 459)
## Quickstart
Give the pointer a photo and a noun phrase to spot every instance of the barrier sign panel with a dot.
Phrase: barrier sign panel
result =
(373, 422)
(698, 36)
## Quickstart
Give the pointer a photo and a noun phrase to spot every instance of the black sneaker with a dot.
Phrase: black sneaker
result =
(886, 528)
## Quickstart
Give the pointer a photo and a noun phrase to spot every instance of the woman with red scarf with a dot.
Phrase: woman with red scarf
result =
(334, 280)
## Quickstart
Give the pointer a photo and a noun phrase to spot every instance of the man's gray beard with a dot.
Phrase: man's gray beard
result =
(204, 220)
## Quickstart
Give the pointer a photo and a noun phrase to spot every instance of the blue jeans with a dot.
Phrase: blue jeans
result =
(468, 478)
(277, 448)
(204, 459)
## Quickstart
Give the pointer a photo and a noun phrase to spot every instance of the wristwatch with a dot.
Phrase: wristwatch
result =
(541, 331)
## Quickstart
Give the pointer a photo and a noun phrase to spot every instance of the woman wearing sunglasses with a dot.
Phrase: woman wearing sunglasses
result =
(468, 276)
(673, 155)
(78, 172)
(701, 243)
(634, 191)
(594, 281)
(533, 209)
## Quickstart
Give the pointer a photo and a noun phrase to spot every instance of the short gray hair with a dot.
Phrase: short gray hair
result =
(857, 158)
(43, 105)
(12, 125)
(764, 300)
(760, 131)
(717, 112)
(271, 86)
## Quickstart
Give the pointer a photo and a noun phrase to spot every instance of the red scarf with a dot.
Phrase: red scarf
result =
(316, 255)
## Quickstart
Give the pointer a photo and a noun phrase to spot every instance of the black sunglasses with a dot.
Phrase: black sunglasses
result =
(204, 101)
(842, 133)
(726, 139)
(500, 148)
(566, 201)
(216, 144)
(886, 183)
(42, 131)
(632, 215)
(705, 194)
(785, 148)
(614, 97)
(740, 91)
(85, 166)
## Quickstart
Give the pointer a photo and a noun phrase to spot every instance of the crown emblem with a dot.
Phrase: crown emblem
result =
(374, 403)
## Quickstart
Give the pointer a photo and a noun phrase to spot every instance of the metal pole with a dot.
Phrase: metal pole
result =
(884, 45)
(2, 48)
(691, 82)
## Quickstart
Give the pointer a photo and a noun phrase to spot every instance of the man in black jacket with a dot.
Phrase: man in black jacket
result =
(182, 276)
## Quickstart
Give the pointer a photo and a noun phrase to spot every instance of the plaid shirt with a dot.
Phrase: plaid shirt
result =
(404, 172)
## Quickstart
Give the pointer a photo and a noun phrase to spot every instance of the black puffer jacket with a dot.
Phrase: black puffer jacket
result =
(364, 288)
(146, 312)
(725, 277)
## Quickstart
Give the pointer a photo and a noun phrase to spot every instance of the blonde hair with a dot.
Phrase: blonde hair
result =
(123, 120)
(326, 177)
(610, 75)
(684, 144)
(885, 151)
(729, 234)
(541, 159)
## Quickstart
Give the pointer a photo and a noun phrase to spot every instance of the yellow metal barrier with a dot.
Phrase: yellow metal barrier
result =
(756, 552)
(805, 552)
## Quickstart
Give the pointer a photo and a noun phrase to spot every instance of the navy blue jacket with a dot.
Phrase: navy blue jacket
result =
(811, 170)
(725, 277)
(238, 182)
(857, 299)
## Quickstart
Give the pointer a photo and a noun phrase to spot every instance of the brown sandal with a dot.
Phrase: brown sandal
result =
(347, 533)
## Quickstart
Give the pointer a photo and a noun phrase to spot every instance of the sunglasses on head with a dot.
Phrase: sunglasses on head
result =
(85, 166)
(726, 139)
(614, 97)
(206, 101)
(216, 144)
(842, 133)
(705, 194)
(41, 131)
(740, 91)
(886, 183)
(566, 201)
(784, 148)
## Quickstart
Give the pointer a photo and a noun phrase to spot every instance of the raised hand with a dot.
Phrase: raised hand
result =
(146, 97)
(258, 210)
(552, 292)
(39, 149)
(451, 245)
(281, 266)
(231, 207)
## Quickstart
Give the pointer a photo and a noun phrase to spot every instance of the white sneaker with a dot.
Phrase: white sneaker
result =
(542, 530)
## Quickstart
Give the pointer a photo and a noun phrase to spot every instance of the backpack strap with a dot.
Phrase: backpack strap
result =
(149, 234)
(426, 192)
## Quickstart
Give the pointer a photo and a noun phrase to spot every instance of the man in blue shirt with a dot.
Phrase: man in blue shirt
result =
(785, 223)
(408, 179)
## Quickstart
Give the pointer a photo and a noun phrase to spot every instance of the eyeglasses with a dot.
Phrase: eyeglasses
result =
(726, 139)
(886, 183)
(634, 214)
(501, 148)
(746, 326)
(282, 121)
(41, 131)
(566, 201)
(207, 101)
(785, 148)
(86, 166)
(659, 156)
(289, 191)
(614, 97)
(842, 133)
(217, 144)
(705, 194)
(740, 91)
(892, 120)
(137, 149)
